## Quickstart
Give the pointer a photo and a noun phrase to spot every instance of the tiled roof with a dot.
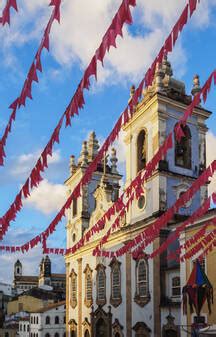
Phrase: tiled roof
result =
(49, 307)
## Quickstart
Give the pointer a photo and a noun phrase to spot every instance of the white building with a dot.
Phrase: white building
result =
(49, 321)
(129, 297)
(24, 327)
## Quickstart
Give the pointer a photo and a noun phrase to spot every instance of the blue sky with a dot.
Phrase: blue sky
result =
(72, 44)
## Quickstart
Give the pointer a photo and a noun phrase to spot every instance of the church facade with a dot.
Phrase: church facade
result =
(126, 296)
(23, 283)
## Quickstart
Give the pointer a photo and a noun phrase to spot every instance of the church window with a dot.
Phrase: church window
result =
(74, 205)
(141, 150)
(141, 202)
(56, 334)
(24, 327)
(74, 237)
(101, 285)
(47, 320)
(115, 298)
(56, 320)
(73, 289)
(142, 283)
(176, 288)
(36, 320)
(87, 334)
(6, 334)
(28, 327)
(88, 286)
(183, 149)
(64, 334)
(20, 327)
(47, 335)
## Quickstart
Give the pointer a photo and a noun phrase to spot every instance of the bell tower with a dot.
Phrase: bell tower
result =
(17, 268)
(154, 117)
(106, 176)
(45, 271)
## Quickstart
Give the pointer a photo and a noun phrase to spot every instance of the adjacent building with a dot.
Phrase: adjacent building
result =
(48, 322)
(23, 283)
(135, 297)
(34, 299)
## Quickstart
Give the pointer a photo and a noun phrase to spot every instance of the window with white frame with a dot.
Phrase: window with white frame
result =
(176, 287)
(142, 278)
(101, 285)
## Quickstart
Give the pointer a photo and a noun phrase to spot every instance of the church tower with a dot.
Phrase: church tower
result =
(105, 181)
(154, 118)
(17, 268)
(45, 271)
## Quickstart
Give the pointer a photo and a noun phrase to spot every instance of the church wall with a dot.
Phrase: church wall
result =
(143, 314)
(174, 186)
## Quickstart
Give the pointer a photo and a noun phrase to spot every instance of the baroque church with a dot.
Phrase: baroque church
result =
(23, 283)
(129, 297)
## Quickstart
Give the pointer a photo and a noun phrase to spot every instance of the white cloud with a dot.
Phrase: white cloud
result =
(83, 25)
(47, 197)
(25, 162)
(210, 156)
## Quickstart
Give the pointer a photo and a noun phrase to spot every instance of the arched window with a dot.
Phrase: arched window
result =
(141, 150)
(47, 335)
(142, 282)
(141, 330)
(47, 320)
(115, 298)
(34, 319)
(176, 288)
(56, 320)
(74, 205)
(183, 149)
(101, 285)
(88, 286)
(87, 334)
(28, 327)
(6, 334)
(24, 327)
(73, 301)
(56, 334)
(20, 327)
(64, 334)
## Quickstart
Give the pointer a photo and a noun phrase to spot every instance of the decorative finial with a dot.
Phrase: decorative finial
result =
(92, 146)
(196, 85)
(166, 66)
(132, 90)
(159, 75)
(72, 165)
(114, 161)
(83, 159)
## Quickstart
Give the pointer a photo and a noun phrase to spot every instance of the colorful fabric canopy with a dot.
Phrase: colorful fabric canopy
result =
(198, 289)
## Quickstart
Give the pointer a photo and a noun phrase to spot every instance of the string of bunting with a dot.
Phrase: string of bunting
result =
(5, 18)
(191, 241)
(122, 16)
(31, 77)
(77, 102)
(149, 234)
(203, 209)
(207, 248)
(139, 179)
(205, 241)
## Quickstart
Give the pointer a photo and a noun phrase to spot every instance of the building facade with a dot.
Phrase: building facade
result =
(46, 277)
(126, 296)
(49, 321)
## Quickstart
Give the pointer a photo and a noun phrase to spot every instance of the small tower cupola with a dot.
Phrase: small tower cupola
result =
(196, 85)
(93, 146)
(18, 268)
(83, 159)
(72, 165)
